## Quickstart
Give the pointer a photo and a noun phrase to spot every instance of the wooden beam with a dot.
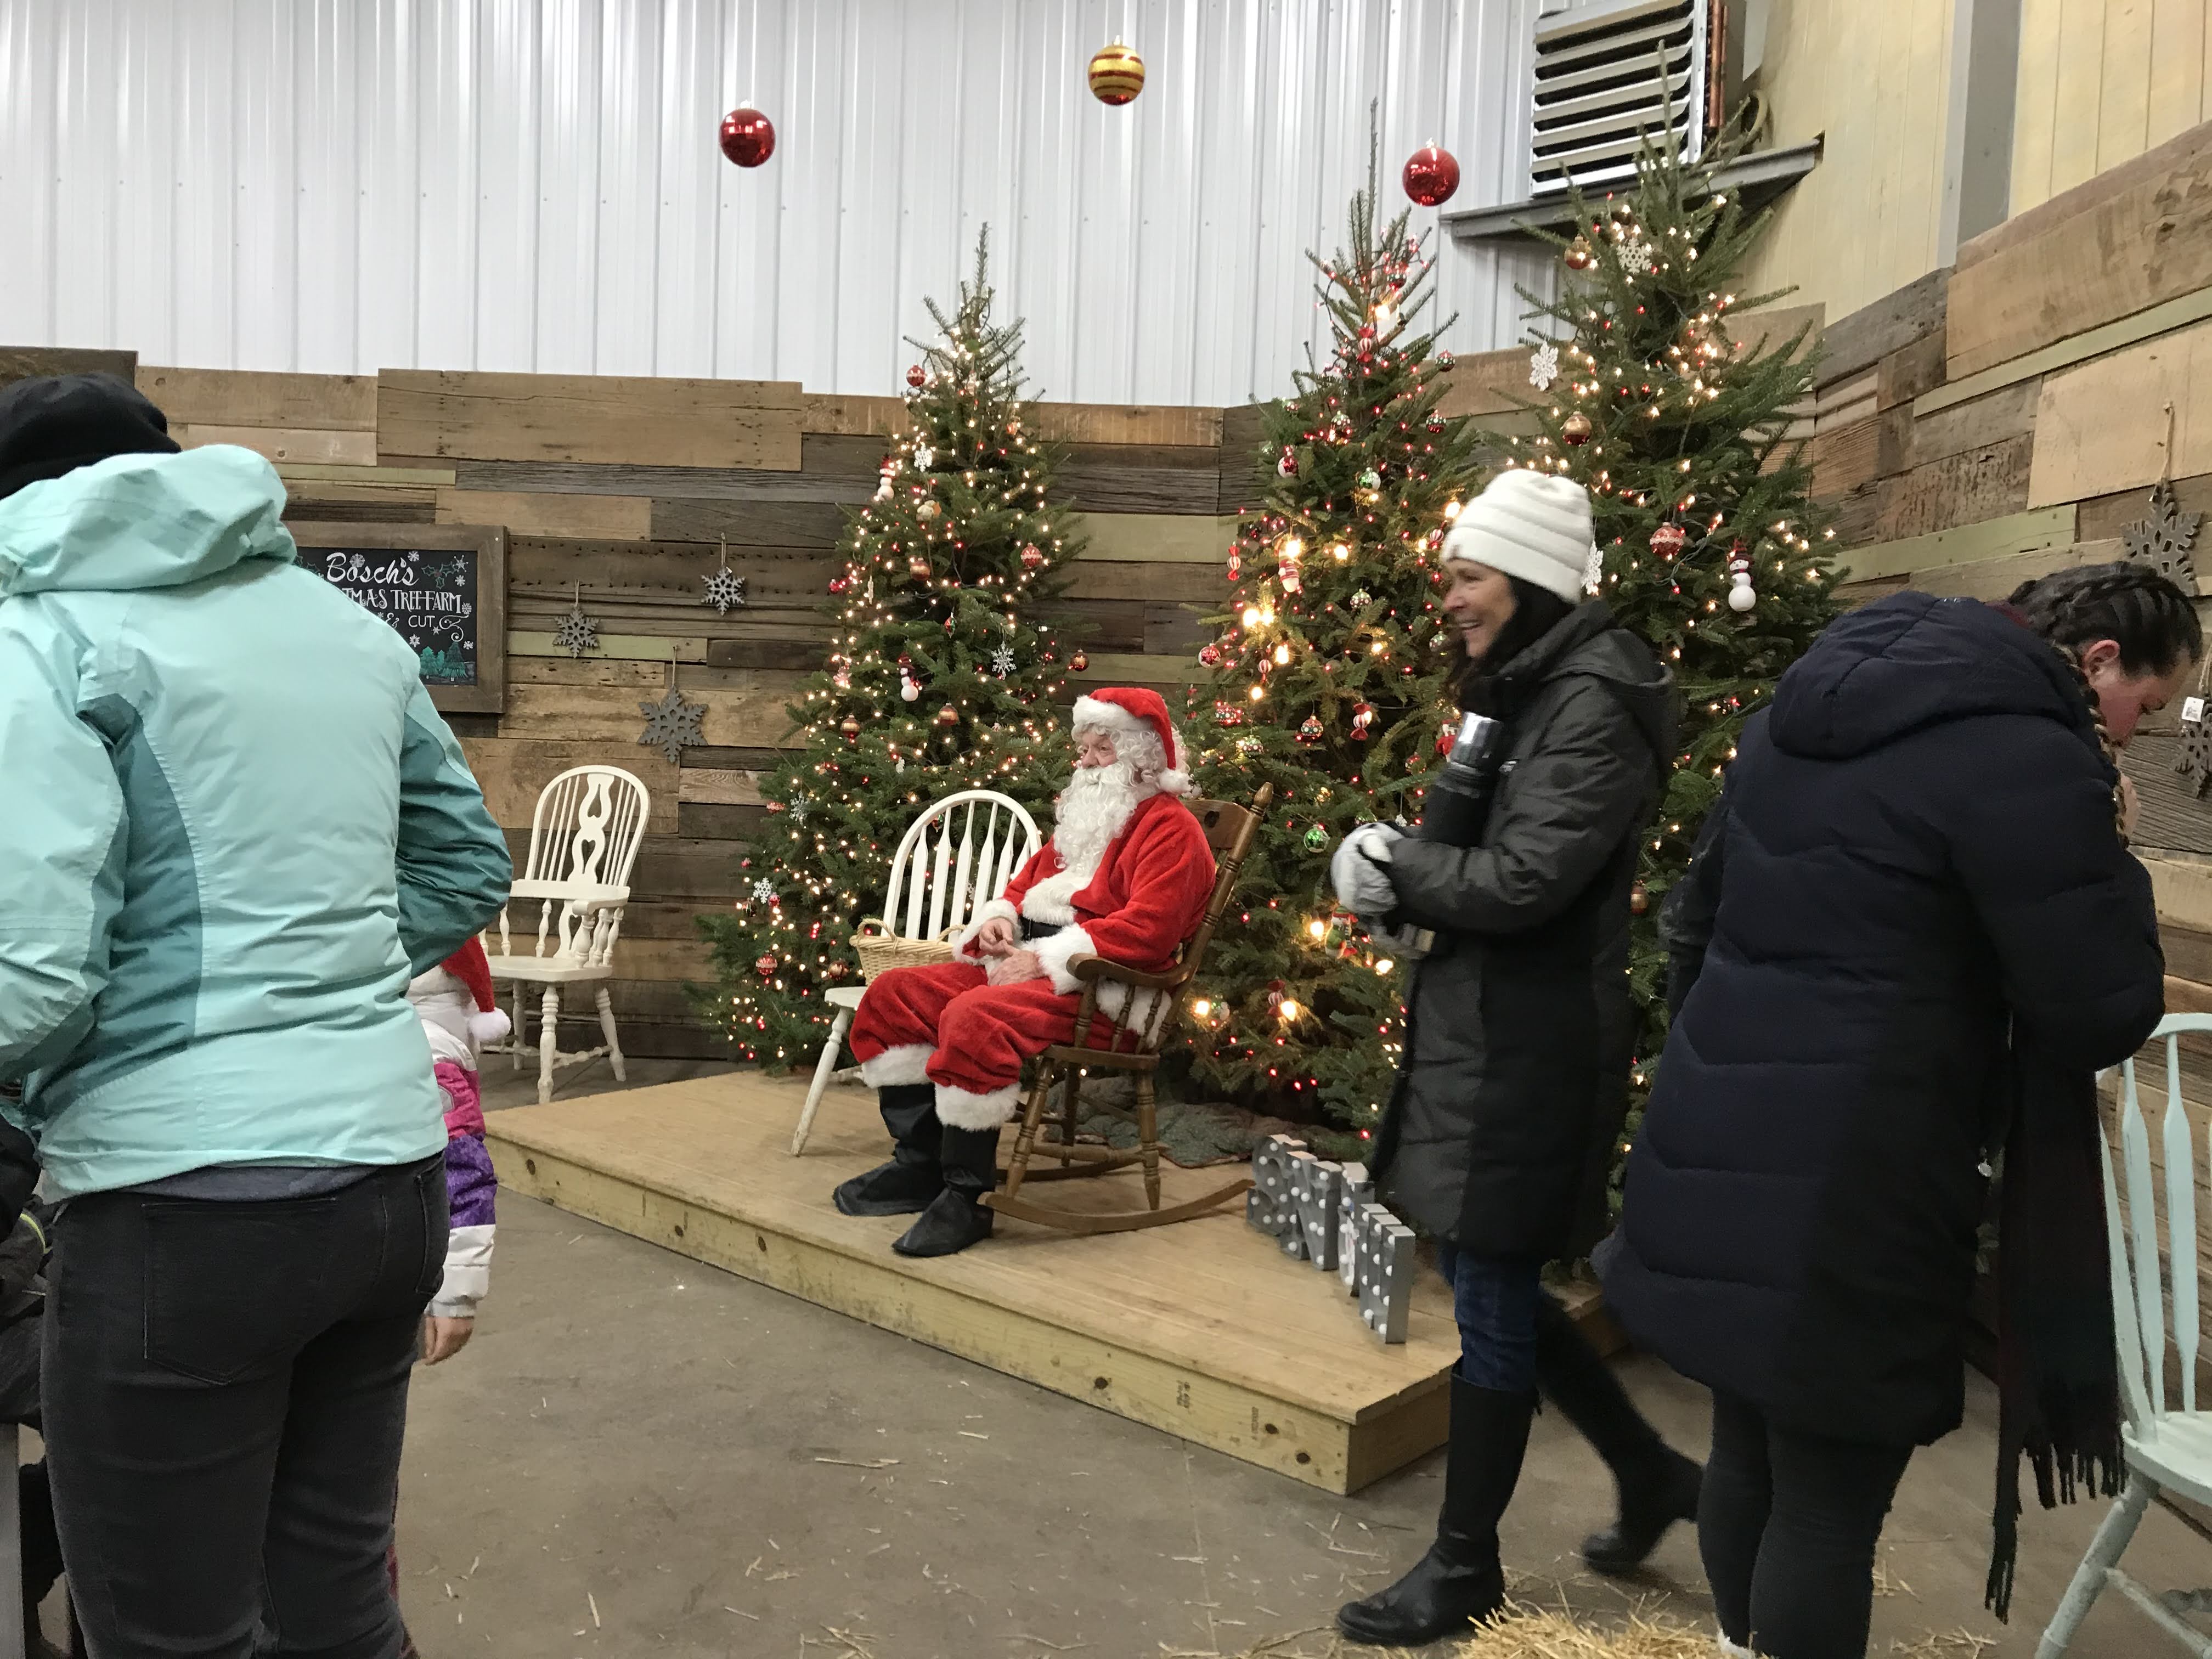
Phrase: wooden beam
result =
(1995, 579)
(631, 648)
(750, 714)
(616, 517)
(1156, 538)
(2020, 533)
(2111, 336)
(1988, 482)
(35, 362)
(238, 397)
(720, 788)
(284, 444)
(2102, 426)
(1994, 418)
(633, 419)
(1852, 345)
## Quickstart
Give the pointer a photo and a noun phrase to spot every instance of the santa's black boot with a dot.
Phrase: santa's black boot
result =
(1460, 1581)
(906, 1185)
(959, 1217)
(1657, 1485)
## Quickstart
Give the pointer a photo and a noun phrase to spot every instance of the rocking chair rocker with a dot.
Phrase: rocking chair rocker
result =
(1142, 1015)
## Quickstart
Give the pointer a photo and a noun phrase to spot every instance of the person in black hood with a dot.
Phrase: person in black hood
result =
(1514, 1081)
(1909, 936)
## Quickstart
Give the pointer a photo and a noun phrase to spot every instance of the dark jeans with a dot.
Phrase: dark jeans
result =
(226, 1390)
(1787, 1524)
(1494, 1301)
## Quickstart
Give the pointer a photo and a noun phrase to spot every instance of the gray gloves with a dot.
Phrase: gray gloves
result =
(1360, 872)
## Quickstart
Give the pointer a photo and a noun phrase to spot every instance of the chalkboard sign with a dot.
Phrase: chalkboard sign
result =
(441, 587)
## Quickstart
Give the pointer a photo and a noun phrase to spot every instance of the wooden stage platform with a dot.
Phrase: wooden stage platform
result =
(1202, 1328)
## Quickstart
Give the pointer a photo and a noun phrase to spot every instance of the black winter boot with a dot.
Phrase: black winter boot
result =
(1460, 1581)
(959, 1217)
(1657, 1485)
(908, 1184)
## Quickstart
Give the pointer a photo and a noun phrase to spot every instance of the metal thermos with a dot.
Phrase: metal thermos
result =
(1459, 794)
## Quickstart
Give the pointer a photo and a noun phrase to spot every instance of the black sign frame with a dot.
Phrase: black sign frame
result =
(488, 542)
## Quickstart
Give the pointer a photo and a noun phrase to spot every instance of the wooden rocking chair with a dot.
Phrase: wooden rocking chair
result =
(1149, 1000)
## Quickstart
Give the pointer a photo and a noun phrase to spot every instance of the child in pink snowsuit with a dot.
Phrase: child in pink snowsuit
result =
(459, 1014)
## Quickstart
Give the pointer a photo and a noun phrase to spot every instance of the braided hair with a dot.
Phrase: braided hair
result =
(2142, 612)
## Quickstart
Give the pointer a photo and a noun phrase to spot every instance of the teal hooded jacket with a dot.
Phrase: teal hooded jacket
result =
(232, 827)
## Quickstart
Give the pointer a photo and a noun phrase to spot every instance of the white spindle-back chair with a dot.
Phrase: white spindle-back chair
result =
(2168, 1443)
(953, 859)
(584, 838)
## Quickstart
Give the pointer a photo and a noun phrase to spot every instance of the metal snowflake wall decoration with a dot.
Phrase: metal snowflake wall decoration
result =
(673, 725)
(2165, 540)
(2195, 764)
(726, 589)
(576, 633)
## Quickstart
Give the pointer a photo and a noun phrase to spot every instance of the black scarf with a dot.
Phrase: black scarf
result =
(2058, 1399)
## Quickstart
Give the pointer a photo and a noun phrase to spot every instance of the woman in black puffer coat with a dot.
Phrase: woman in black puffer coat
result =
(1499, 1134)
(1910, 935)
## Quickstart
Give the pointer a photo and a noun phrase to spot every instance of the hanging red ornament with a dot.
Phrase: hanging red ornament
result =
(1309, 729)
(1287, 467)
(848, 729)
(1436, 422)
(1287, 572)
(1032, 555)
(1236, 564)
(764, 966)
(1445, 735)
(1444, 360)
(1227, 713)
(1431, 175)
(1209, 655)
(914, 376)
(1639, 899)
(1668, 540)
(948, 715)
(1579, 254)
(1363, 716)
(838, 584)
(918, 567)
(1077, 663)
(747, 137)
(1116, 74)
(1576, 429)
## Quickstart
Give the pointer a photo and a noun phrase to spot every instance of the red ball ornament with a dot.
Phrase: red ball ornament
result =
(747, 137)
(1309, 731)
(848, 729)
(764, 966)
(1116, 74)
(1288, 465)
(1639, 899)
(1576, 429)
(1209, 656)
(918, 567)
(1431, 175)
(914, 377)
(948, 715)
(1668, 540)
(838, 584)
(1032, 555)
(1077, 663)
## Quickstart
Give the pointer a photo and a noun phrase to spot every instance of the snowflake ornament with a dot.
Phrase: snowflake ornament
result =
(1593, 570)
(672, 725)
(576, 633)
(1637, 257)
(1002, 661)
(800, 808)
(763, 891)
(2195, 762)
(924, 458)
(2166, 540)
(1544, 367)
(726, 589)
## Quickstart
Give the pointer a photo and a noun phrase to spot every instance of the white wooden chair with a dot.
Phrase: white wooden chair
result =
(2168, 1444)
(938, 883)
(584, 837)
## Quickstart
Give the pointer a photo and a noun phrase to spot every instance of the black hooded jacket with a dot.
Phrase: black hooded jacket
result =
(1913, 884)
(1515, 1077)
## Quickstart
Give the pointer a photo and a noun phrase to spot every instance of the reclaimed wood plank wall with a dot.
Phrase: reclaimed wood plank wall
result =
(2006, 417)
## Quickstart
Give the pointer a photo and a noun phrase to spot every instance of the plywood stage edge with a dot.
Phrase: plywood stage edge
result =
(1203, 1329)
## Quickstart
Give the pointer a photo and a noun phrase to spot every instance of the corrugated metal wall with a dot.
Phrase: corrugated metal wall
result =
(345, 185)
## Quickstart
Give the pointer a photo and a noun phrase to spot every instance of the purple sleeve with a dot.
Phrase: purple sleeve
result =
(469, 1183)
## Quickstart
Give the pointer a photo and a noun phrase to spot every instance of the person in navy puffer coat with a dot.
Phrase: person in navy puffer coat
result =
(1915, 893)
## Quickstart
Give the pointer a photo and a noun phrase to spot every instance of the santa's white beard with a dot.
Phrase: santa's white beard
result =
(1091, 810)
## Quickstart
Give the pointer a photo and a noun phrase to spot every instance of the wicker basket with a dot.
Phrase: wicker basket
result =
(880, 951)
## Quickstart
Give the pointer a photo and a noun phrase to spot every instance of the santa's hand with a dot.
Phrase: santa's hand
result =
(1013, 968)
(1358, 871)
(995, 938)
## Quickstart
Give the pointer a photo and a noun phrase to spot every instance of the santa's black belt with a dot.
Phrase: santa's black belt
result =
(1034, 931)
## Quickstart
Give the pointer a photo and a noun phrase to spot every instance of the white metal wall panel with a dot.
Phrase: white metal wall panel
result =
(345, 185)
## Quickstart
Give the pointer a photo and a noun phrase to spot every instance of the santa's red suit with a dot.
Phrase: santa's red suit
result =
(945, 1023)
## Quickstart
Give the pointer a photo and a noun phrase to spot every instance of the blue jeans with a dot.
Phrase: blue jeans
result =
(1494, 1301)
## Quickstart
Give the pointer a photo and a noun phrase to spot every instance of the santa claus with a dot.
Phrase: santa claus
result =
(1126, 876)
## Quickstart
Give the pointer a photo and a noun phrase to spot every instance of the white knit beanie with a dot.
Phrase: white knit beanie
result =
(1535, 525)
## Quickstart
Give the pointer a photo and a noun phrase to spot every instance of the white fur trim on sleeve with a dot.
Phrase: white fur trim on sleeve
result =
(995, 909)
(468, 1272)
(1054, 952)
(908, 1063)
(957, 1108)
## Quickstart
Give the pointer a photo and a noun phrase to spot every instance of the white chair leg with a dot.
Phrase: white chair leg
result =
(520, 1037)
(549, 1028)
(607, 1028)
(823, 1068)
(2113, 1533)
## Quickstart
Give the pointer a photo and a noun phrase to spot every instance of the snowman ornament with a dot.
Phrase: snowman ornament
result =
(1741, 595)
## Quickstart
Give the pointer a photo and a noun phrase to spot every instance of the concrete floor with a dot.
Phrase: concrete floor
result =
(640, 1454)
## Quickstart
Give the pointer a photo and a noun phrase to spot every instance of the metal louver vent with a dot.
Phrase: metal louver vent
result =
(1605, 76)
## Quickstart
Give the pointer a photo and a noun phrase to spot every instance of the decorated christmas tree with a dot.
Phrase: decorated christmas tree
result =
(1674, 409)
(938, 679)
(1331, 682)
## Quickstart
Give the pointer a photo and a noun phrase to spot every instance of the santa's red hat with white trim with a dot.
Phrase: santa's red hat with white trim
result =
(472, 968)
(1131, 711)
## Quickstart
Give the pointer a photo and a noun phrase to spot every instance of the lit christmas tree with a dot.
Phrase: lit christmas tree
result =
(1331, 682)
(938, 679)
(1714, 552)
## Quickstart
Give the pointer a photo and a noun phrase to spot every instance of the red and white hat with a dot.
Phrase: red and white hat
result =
(1128, 711)
(472, 968)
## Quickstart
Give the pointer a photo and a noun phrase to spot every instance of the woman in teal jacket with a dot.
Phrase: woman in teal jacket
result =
(235, 827)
